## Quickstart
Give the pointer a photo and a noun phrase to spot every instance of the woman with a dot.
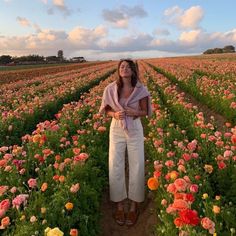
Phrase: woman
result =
(126, 100)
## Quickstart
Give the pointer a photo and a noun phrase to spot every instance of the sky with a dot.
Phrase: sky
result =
(106, 29)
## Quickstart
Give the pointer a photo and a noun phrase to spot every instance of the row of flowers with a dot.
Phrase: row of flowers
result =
(45, 100)
(212, 87)
(52, 183)
(20, 74)
(190, 174)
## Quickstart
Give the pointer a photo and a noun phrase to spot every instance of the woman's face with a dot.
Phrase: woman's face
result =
(125, 70)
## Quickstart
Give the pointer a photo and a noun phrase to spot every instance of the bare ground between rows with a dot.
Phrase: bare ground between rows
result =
(218, 121)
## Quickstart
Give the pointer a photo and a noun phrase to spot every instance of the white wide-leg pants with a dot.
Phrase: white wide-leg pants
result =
(134, 142)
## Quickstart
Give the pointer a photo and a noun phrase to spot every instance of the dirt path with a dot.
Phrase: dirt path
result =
(219, 120)
(143, 227)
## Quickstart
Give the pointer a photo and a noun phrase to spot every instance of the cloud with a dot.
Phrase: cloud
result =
(44, 1)
(59, 5)
(160, 32)
(190, 36)
(184, 19)
(120, 16)
(87, 38)
(23, 21)
(95, 40)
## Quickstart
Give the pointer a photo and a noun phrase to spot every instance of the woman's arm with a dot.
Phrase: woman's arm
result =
(119, 115)
(143, 103)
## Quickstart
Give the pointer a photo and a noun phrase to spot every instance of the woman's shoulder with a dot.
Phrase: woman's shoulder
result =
(111, 85)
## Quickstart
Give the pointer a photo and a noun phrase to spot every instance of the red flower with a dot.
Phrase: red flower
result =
(189, 217)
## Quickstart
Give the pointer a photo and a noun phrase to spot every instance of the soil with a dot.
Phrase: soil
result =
(143, 227)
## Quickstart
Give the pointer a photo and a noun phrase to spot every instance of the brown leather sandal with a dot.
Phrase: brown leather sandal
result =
(132, 217)
(120, 217)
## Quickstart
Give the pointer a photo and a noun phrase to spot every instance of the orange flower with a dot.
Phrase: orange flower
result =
(174, 174)
(36, 138)
(74, 232)
(5, 222)
(69, 206)
(216, 209)
(62, 178)
(152, 183)
(208, 168)
(44, 187)
(101, 129)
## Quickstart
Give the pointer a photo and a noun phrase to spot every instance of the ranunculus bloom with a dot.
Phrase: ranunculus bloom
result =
(44, 187)
(189, 217)
(180, 204)
(174, 174)
(193, 188)
(69, 206)
(75, 188)
(53, 232)
(32, 183)
(216, 209)
(101, 129)
(208, 168)
(171, 188)
(5, 204)
(178, 222)
(74, 232)
(5, 222)
(152, 183)
(180, 184)
(208, 224)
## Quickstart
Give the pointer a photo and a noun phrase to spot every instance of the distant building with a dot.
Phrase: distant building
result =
(78, 59)
(60, 55)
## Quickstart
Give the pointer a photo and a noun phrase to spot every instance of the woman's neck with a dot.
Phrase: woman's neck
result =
(127, 82)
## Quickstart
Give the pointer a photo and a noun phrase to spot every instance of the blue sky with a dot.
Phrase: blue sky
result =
(114, 29)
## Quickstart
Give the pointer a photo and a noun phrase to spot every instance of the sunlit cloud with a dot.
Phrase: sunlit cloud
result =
(184, 19)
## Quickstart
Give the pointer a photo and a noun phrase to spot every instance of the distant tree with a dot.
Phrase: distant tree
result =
(52, 58)
(4, 59)
(60, 55)
(208, 51)
(217, 50)
(29, 58)
(229, 49)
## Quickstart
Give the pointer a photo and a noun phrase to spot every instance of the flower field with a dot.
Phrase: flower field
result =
(53, 171)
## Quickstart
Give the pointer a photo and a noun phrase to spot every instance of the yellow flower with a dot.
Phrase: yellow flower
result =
(69, 206)
(205, 196)
(216, 209)
(215, 234)
(53, 232)
(43, 210)
(208, 168)
(22, 218)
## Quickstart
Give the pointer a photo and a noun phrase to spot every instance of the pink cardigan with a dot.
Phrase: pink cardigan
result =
(110, 97)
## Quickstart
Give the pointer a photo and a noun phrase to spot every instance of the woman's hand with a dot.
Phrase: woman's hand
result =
(119, 115)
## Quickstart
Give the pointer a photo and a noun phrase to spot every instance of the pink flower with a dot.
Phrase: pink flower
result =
(20, 199)
(3, 189)
(180, 184)
(208, 224)
(5, 204)
(221, 165)
(192, 146)
(186, 156)
(171, 188)
(32, 183)
(193, 188)
(169, 163)
(75, 188)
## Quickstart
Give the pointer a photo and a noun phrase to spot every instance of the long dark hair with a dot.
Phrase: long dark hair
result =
(134, 76)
